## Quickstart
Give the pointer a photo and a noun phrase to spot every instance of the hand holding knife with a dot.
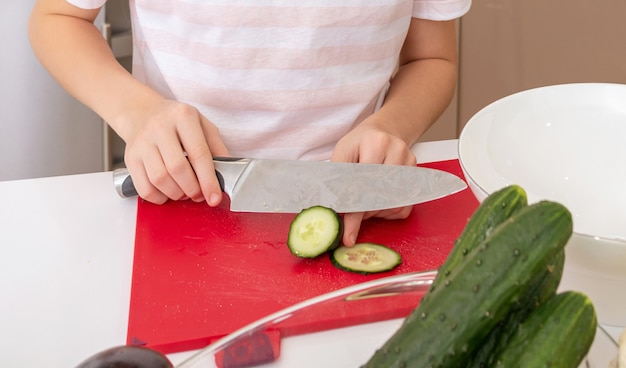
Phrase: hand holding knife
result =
(288, 186)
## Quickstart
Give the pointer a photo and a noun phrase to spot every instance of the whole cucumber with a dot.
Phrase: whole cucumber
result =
(450, 323)
(544, 288)
(493, 211)
(558, 334)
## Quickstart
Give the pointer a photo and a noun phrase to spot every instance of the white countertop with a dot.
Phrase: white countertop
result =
(65, 272)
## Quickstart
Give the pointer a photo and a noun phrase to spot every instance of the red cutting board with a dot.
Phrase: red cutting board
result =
(200, 273)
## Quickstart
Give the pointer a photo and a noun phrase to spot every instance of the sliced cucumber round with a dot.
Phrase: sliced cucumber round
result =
(366, 258)
(314, 231)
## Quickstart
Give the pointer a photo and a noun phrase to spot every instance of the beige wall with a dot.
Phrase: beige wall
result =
(512, 45)
(446, 127)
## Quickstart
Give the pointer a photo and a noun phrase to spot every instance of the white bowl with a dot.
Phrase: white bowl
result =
(565, 143)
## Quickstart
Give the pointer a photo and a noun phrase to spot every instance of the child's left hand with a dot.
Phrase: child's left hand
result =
(368, 144)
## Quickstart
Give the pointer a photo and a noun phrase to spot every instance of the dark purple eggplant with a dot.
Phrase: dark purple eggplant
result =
(127, 357)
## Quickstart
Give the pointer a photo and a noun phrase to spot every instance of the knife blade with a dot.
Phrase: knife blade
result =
(289, 186)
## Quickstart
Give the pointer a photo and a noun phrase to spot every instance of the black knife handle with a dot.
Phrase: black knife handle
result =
(226, 158)
(125, 187)
(128, 188)
(123, 183)
(220, 179)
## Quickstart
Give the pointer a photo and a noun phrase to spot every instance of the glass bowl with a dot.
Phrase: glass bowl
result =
(280, 340)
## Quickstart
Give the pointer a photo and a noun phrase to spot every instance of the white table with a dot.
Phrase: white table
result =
(65, 270)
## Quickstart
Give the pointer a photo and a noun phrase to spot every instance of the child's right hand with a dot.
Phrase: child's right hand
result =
(169, 154)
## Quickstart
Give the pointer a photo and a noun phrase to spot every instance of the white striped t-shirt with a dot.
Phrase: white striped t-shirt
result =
(281, 79)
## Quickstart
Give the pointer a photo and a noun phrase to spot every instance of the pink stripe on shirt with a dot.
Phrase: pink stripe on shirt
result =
(209, 14)
(276, 100)
(266, 56)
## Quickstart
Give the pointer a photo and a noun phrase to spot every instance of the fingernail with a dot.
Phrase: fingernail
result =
(214, 199)
(352, 239)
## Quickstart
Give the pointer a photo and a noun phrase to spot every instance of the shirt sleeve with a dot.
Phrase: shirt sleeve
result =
(440, 9)
(87, 4)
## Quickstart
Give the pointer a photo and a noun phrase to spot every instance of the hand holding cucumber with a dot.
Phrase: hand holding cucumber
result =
(372, 145)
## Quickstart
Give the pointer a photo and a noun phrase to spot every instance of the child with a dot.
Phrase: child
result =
(345, 80)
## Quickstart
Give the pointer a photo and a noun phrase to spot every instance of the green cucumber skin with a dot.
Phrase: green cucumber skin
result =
(494, 210)
(558, 334)
(451, 321)
(544, 287)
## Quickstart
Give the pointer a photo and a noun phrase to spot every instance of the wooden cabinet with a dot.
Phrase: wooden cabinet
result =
(507, 46)
(512, 45)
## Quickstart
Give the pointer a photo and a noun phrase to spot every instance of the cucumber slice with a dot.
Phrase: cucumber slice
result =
(366, 258)
(315, 230)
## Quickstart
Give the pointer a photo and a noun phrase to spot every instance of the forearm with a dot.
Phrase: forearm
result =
(425, 82)
(418, 95)
(73, 50)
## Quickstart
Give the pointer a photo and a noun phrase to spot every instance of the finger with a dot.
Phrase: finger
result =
(370, 154)
(160, 177)
(411, 160)
(352, 225)
(400, 154)
(202, 162)
(144, 187)
(180, 170)
(372, 147)
(341, 155)
(382, 148)
(200, 156)
(394, 213)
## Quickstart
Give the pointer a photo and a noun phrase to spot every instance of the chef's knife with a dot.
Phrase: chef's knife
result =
(289, 186)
